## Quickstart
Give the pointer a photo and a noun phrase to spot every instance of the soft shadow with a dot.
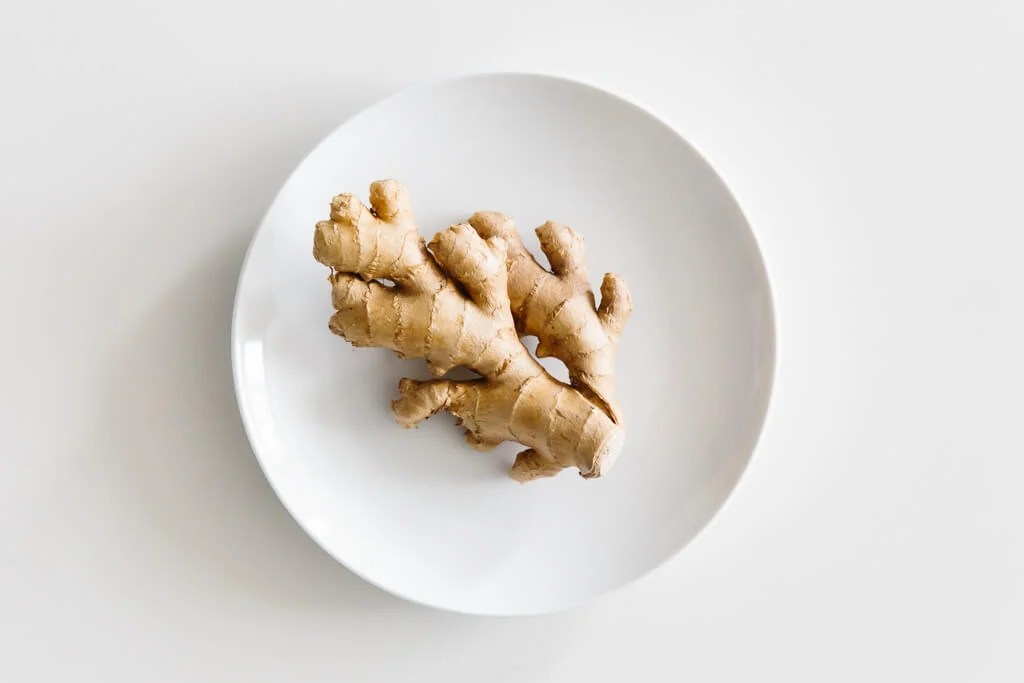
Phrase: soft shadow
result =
(183, 454)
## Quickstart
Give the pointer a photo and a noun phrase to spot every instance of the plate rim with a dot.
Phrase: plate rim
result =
(236, 355)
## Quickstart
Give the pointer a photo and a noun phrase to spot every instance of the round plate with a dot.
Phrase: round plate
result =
(417, 512)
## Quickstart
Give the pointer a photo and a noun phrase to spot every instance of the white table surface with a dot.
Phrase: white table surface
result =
(876, 148)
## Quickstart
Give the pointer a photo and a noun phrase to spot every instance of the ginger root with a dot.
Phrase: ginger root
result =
(451, 306)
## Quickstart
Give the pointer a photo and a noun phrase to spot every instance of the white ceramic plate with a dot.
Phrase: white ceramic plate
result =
(417, 512)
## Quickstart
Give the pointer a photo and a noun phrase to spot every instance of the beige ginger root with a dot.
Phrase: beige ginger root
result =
(450, 305)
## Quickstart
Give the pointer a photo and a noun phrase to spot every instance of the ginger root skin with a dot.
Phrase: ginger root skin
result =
(449, 305)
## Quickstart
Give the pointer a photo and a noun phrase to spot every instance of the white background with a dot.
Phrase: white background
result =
(876, 148)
